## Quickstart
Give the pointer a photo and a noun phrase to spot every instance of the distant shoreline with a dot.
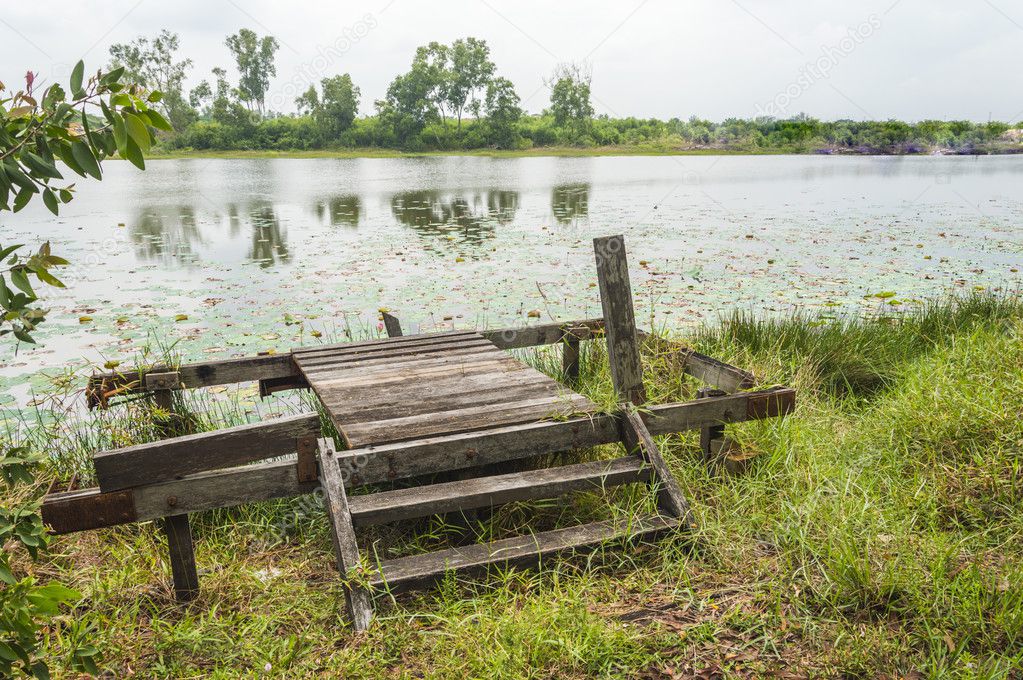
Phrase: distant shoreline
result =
(558, 151)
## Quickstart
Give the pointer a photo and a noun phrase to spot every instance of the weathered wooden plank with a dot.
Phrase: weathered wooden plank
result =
(702, 367)
(542, 334)
(178, 457)
(103, 386)
(438, 399)
(361, 345)
(638, 440)
(182, 557)
(421, 370)
(402, 358)
(400, 574)
(409, 344)
(392, 325)
(360, 608)
(463, 420)
(483, 492)
(90, 508)
(619, 318)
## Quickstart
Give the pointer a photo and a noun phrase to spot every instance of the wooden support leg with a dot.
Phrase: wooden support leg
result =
(637, 439)
(177, 529)
(711, 436)
(392, 325)
(182, 557)
(619, 318)
(570, 360)
(357, 597)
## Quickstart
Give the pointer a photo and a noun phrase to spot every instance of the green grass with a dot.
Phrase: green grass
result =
(877, 533)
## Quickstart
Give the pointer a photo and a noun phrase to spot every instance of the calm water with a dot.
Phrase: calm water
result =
(259, 254)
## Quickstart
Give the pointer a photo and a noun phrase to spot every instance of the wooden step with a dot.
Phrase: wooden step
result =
(481, 492)
(406, 572)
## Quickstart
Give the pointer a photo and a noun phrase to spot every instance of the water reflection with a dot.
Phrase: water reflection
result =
(340, 211)
(570, 201)
(166, 233)
(269, 240)
(469, 220)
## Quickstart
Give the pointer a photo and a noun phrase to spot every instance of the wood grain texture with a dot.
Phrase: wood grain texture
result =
(542, 334)
(406, 572)
(357, 598)
(79, 510)
(702, 367)
(619, 318)
(179, 457)
(416, 387)
(178, 531)
(638, 440)
(483, 492)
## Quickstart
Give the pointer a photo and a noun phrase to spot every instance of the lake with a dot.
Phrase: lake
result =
(231, 257)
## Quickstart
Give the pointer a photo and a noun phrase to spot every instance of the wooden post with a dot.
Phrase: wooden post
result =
(182, 557)
(392, 325)
(570, 359)
(619, 318)
(177, 529)
(357, 597)
(711, 436)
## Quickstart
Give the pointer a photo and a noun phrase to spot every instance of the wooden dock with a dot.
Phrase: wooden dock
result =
(407, 407)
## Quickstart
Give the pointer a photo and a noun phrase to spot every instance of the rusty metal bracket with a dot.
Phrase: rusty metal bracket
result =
(308, 471)
(770, 404)
(71, 511)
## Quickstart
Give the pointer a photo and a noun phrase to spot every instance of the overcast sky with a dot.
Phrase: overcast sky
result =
(908, 59)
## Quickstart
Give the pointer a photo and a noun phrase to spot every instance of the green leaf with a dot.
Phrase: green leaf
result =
(20, 279)
(159, 122)
(120, 133)
(82, 153)
(39, 166)
(22, 199)
(8, 250)
(154, 96)
(50, 201)
(6, 575)
(134, 155)
(137, 131)
(64, 151)
(112, 76)
(76, 80)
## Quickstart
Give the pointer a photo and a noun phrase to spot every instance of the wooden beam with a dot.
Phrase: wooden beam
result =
(392, 324)
(638, 440)
(103, 386)
(179, 457)
(357, 597)
(710, 435)
(543, 334)
(182, 557)
(79, 510)
(702, 367)
(619, 318)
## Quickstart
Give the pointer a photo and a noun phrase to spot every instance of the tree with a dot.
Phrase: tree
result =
(35, 131)
(255, 59)
(308, 102)
(503, 112)
(409, 104)
(570, 96)
(150, 64)
(469, 75)
(431, 71)
(338, 107)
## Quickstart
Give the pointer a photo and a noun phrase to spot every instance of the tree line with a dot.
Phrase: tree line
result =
(452, 97)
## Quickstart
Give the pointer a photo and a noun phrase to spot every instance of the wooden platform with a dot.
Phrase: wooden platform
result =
(417, 386)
